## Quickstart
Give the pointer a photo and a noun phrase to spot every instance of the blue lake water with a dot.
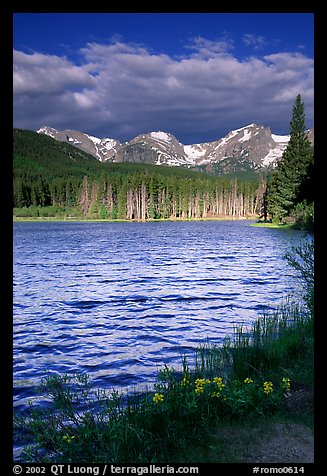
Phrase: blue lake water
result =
(120, 300)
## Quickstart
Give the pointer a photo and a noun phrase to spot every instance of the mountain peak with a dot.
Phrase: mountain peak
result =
(102, 149)
(254, 145)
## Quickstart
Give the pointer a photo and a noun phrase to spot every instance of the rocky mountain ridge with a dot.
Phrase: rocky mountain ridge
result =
(253, 145)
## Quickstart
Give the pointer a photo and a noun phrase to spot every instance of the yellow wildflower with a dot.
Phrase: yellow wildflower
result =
(268, 387)
(185, 380)
(158, 398)
(68, 438)
(215, 394)
(248, 380)
(199, 384)
(199, 390)
(219, 382)
(286, 383)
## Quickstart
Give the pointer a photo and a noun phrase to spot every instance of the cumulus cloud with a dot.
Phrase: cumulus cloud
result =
(42, 74)
(121, 90)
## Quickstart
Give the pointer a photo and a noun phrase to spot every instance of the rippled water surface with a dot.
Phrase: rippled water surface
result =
(119, 300)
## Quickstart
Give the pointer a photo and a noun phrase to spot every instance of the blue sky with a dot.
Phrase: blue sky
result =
(196, 75)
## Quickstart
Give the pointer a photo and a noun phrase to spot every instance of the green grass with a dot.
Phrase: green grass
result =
(239, 383)
(278, 226)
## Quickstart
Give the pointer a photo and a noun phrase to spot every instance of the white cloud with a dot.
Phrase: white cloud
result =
(122, 90)
(257, 42)
(205, 48)
(287, 61)
(44, 74)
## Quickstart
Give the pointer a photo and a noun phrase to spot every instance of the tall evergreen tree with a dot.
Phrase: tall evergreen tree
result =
(293, 168)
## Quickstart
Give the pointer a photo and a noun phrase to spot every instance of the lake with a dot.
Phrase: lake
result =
(118, 301)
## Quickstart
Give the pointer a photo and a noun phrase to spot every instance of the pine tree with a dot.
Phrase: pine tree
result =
(292, 170)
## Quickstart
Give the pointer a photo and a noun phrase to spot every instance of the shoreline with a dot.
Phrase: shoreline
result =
(276, 226)
(292, 409)
(151, 220)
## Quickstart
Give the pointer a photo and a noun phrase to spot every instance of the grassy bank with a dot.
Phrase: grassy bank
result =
(273, 225)
(243, 383)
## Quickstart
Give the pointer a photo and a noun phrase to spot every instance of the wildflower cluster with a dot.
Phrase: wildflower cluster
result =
(268, 387)
(68, 438)
(199, 385)
(219, 382)
(158, 398)
(179, 400)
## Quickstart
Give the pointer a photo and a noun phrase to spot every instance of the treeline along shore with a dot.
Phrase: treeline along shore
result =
(53, 179)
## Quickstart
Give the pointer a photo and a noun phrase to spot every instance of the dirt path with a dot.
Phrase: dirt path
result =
(279, 440)
(287, 443)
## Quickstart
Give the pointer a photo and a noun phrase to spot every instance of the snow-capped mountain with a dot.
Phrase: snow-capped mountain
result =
(254, 146)
(102, 149)
(160, 148)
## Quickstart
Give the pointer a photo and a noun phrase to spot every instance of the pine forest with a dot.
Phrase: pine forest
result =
(56, 179)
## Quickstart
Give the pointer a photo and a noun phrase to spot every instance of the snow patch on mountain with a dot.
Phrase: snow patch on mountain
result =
(195, 151)
(276, 152)
(95, 140)
(73, 141)
(273, 154)
(246, 136)
(277, 138)
(160, 136)
(48, 131)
